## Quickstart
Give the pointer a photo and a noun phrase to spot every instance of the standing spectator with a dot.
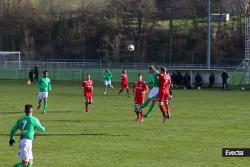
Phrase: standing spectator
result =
(31, 75)
(179, 79)
(186, 81)
(36, 72)
(198, 81)
(174, 82)
(211, 80)
(224, 77)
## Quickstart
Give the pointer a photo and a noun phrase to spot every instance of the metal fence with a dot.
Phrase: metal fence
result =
(76, 71)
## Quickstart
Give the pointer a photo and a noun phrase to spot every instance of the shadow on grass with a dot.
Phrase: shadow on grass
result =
(9, 113)
(88, 121)
(73, 134)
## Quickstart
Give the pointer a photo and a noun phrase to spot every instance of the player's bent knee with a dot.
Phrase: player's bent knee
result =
(161, 103)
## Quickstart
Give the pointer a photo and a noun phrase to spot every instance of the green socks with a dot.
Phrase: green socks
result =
(21, 165)
(151, 107)
(147, 101)
(29, 165)
(18, 165)
(45, 105)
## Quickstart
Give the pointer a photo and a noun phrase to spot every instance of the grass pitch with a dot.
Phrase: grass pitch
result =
(202, 123)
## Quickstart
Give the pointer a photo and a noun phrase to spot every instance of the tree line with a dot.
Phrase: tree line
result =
(169, 31)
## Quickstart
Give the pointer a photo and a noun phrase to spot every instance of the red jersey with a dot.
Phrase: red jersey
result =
(124, 78)
(140, 88)
(164, 81)
(87, 85)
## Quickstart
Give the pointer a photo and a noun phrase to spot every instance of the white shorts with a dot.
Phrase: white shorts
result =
(107, 83)
(43, 95)
(153, 94)
(25, 150)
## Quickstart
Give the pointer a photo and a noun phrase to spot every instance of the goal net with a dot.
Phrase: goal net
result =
(9, 59)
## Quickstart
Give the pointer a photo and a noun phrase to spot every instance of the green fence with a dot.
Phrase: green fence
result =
(77, 74)
(71, 74)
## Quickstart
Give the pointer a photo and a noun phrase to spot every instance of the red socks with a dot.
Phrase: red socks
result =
(127, 91)
(162, 110)
(86, 107)
(167, 107)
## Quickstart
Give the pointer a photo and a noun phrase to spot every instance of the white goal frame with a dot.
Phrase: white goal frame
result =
(4, 53)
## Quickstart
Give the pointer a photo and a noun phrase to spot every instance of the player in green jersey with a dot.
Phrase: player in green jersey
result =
(27, 125)
(153, 95)
(44, 89)
(107, 76)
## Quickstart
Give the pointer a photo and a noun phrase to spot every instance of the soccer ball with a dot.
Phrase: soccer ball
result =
(28, 82)
(131, 47)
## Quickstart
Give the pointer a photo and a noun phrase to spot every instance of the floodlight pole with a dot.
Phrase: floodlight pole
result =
(209, 36)
(19, 60)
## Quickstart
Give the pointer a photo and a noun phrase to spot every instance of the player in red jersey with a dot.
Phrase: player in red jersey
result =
(140, 88)
(124, 82)
(88, 87)
(164, 94)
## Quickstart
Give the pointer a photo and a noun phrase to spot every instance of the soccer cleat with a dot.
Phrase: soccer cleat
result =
(38, 107)
(145, 116)
(141, 120)
(43, 112)
(168, 115)
(164, 118)
(105, 93)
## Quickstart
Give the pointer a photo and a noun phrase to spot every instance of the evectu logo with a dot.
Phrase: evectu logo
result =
(236, 152)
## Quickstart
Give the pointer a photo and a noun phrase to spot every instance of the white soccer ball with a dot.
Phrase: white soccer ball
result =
(131, 47)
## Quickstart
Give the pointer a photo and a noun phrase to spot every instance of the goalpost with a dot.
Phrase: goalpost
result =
(12, 56)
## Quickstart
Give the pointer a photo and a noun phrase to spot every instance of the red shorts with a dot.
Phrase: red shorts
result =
(163, 95)
(88, 95)
(124, 85)
(139, 99)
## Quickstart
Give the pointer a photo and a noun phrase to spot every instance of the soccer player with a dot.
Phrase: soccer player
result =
(88, 87)
(163, 95)
(153, 94)
(27, 126)
(107, 80)
(140, 88)
(124, 82)
(44, 89)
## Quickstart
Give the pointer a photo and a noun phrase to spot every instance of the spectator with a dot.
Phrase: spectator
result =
(186, 81)
(36, 72)
(198, 81)
(173, 77)
(179, 80)
(211, 80)
(31, 75)
(224, 77)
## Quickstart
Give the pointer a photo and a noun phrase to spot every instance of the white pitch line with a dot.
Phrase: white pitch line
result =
(12, 115)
